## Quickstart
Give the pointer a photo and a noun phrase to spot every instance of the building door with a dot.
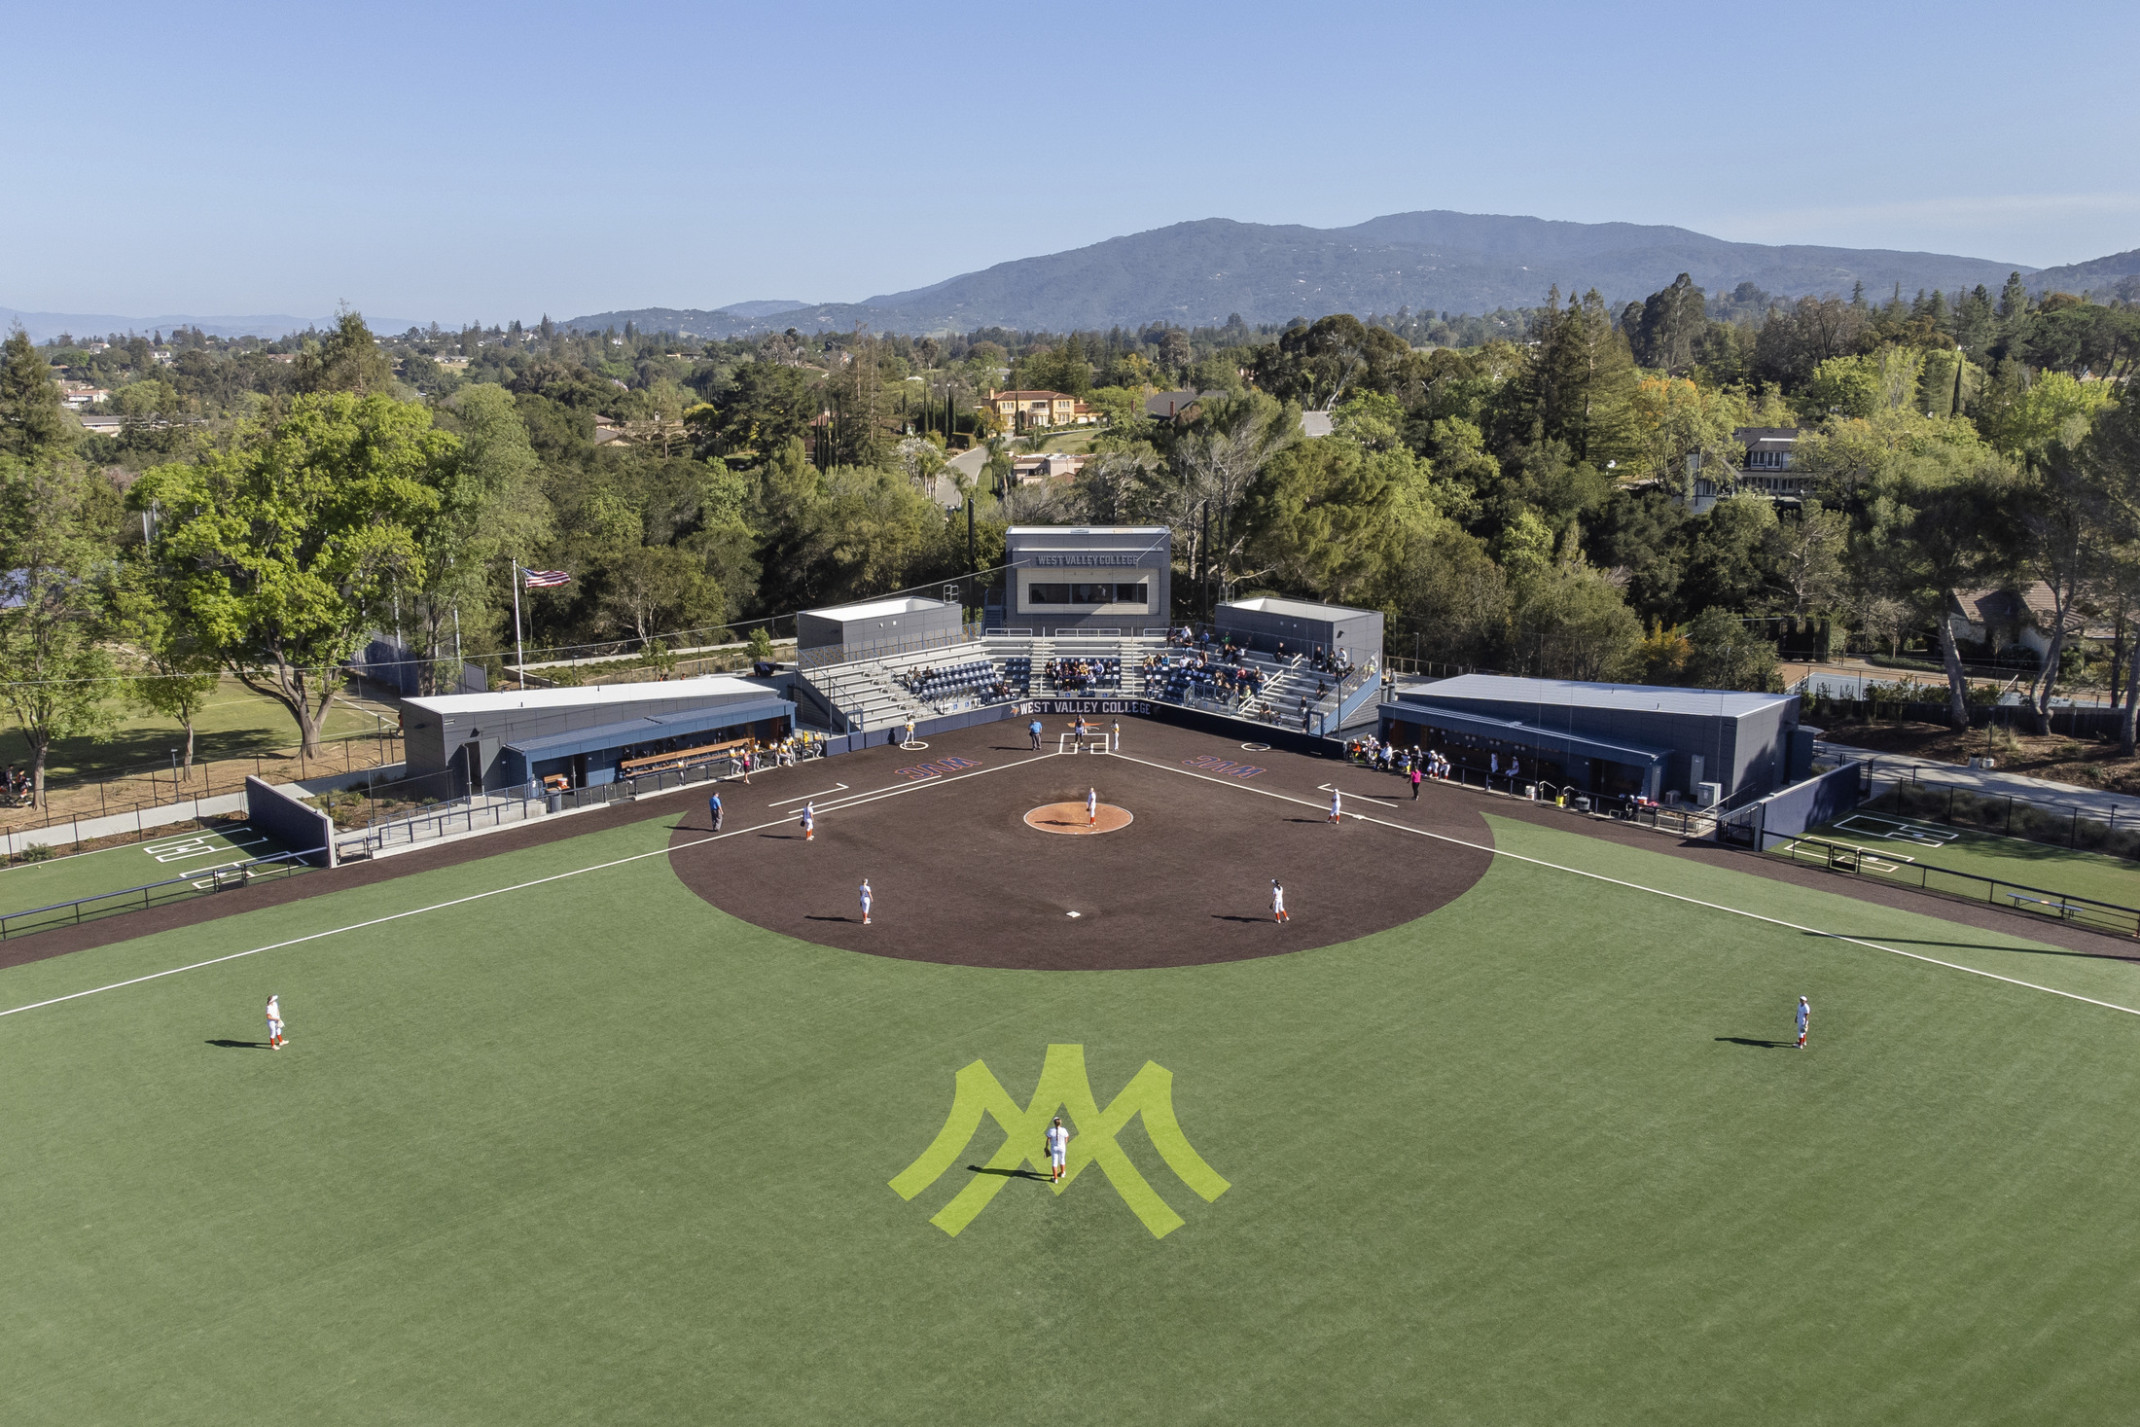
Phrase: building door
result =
(472, 767)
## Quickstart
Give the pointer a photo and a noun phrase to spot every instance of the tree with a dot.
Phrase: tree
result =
(173, 675)
(285, 549)
(1805, 558)
(1581, 381)
(1670, 325)
(491, 512)
(32, 421)
(656, 584)
(348, 359)
(1569, 622)
(1214, 460)
(765, 406)
(54, 675)
(2112, 455)
(1449, 596)
(1722, 653)
(1329, 518)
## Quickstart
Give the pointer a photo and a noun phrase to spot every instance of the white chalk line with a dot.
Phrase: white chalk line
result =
(1653, 891)
(859, 799)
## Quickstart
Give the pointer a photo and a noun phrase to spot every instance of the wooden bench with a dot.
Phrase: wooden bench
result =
(680, 758)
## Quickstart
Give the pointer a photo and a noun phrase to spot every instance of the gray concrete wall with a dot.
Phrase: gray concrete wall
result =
(1357, 632)
(298, 826)
(934, 623)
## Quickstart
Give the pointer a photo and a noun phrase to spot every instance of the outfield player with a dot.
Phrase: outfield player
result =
(276, 1039)
(1092, 808)
(1278, 911)
(1805, 1020)
(713, 807)
(1058, 1149)
(809, 822)
(1337, 805)
(868, 897)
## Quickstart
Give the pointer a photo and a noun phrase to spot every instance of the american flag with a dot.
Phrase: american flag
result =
(547, 579)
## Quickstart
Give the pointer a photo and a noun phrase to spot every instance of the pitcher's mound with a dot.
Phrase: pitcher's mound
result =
(1070, 818)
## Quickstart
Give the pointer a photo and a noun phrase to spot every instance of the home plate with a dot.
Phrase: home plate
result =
(1073, 914)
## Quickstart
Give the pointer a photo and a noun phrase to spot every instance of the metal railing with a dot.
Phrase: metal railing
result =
(472, 814)
(1946, 882)
(2054, 824)
(133, 899)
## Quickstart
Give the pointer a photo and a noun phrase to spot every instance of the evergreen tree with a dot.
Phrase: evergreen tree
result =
(32, 421)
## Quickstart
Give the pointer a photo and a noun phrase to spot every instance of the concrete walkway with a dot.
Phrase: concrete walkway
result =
(1990, 783)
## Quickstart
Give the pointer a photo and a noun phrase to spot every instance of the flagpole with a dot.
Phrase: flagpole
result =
(520, 655)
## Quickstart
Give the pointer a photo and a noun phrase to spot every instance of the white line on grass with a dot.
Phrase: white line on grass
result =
(1654, 891)
(858, 800)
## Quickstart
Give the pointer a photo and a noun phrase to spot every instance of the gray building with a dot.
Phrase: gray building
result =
(1064, 579)
(1607, 738)
(469, 742)
(874, 628)
(1303, 626)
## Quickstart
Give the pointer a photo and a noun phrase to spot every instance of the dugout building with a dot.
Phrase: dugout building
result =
(1608, 739)
(472, 742)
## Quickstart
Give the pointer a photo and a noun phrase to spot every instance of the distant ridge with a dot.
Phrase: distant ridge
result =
(44, 326)
(2098, 275)
(1202, 272)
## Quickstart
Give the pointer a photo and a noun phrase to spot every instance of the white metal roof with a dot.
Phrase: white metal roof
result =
(708, 685)
(1086, 530)
(1294, 609)
(1569, 693)
(878, 609)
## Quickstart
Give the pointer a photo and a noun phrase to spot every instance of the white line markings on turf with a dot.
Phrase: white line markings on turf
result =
(892, 791)
(806, 797)
(1657, 891)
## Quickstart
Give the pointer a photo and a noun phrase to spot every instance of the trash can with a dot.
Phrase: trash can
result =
(553, 802)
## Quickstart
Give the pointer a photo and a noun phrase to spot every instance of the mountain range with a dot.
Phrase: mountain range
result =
(1201, 273)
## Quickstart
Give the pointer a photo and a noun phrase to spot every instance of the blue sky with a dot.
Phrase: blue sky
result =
(448, 161)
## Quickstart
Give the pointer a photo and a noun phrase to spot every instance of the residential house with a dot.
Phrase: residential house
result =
(2001, 617)
(1048, 466)
(1174, 405)
(76, 395)
(1025, 410)
(1767, 470)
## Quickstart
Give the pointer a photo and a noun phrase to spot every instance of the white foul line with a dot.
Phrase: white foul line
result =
(805, 797)
(856, 801)
(1654, 891)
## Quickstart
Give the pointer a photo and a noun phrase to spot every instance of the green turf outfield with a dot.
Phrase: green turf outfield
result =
(2097, 876)
(594, 1152)
(27, 885)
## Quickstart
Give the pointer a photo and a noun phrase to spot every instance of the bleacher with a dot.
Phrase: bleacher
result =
(973, 680)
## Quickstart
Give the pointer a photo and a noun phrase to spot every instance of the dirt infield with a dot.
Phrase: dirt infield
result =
(960, 877)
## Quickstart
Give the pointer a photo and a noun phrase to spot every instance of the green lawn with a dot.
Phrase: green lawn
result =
(1898, 844)
(26, 885)
(237, 723)
(592, 1152)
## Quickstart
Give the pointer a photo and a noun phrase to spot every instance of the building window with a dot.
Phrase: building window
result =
(1086, 594)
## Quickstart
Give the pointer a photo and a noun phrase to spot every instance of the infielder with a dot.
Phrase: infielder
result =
(1337, 806)
(1805, 1019)
(867, 898)
(1058, 1149)
(713, 807)
(809, 822)
(1278, 911)
(910, 734)
(1092, 808)
(276, 1039)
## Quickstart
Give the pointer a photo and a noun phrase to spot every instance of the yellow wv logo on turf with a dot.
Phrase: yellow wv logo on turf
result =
(1063, 1086)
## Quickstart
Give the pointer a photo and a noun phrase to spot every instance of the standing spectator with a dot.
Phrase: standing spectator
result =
(1415, 782)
